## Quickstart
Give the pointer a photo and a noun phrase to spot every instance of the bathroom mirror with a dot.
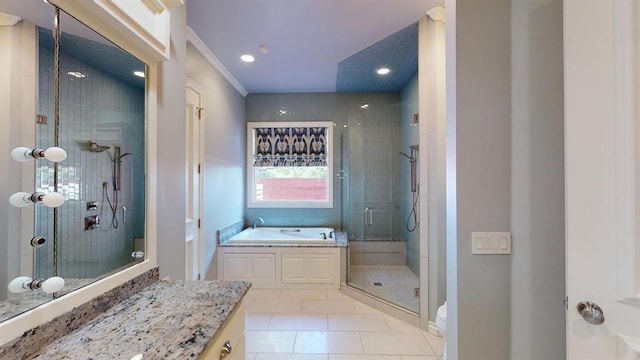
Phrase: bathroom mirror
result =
(99, 229)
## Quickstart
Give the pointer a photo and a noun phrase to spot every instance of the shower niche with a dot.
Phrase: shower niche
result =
(102, 127)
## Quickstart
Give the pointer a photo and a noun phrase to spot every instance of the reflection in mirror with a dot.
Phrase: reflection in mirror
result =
(100, 226)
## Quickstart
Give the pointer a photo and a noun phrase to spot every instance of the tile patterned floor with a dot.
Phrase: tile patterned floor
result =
(396, 283)
(328, 325)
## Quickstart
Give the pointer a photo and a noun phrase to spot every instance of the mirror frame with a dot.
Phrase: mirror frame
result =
(16, 326)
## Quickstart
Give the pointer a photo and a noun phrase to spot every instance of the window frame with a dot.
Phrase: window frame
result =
(252, 202)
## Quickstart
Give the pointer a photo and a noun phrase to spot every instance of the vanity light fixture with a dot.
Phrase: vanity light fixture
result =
(139, 73)
(364, 106)
(24, 283)
(383, 71)
(24, 154)
(247, 58)
(22, 199)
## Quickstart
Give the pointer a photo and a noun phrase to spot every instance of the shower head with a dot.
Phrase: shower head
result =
(94, 147)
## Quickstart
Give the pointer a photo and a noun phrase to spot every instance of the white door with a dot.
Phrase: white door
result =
(602, 178)
(193, 244)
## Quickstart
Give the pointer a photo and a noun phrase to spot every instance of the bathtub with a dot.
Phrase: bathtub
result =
(284, 235)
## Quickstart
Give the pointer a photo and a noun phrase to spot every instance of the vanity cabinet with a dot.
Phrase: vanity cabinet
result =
(233, 333)
(281, 267)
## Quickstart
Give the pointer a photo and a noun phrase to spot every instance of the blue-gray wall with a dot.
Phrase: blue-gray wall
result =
(537, 180)
(479, 176)
(171, 183)
(225, 149)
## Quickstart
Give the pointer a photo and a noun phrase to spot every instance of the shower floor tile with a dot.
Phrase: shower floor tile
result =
(393, 283)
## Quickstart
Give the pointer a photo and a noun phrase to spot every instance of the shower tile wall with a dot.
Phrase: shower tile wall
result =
(409, 135)
(109, 111)
(337, 107)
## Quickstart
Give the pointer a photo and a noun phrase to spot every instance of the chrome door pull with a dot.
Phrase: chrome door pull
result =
(368, 216)
(591, 312)
(124, 214)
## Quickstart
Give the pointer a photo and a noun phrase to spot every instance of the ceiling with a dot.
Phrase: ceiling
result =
(314, 45)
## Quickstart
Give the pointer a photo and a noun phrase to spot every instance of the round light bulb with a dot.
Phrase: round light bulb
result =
(55, 154)
(21, 154)
(52, 284)
(53, 199)
(19, 284)
(20, 199)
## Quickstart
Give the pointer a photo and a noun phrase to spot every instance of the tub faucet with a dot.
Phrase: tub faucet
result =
(255, 222)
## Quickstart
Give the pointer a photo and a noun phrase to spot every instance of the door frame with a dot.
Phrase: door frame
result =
(197, 88)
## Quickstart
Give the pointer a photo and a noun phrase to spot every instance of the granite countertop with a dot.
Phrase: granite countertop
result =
(167, 320)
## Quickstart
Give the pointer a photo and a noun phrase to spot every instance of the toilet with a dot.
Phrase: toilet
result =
(441, 323)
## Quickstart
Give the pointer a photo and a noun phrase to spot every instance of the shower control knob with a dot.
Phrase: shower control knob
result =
(137, 254)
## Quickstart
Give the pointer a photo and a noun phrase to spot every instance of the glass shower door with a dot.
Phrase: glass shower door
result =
(377, 249)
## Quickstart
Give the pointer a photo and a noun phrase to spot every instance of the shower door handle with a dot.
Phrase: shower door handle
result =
(368, 216)
(124, 214)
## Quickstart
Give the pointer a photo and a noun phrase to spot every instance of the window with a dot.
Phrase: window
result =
(289, 164)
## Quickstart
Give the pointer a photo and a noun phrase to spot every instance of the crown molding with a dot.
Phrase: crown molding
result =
(195, 40)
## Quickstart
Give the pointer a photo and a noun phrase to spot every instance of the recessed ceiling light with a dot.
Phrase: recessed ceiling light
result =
(364, 106)
(77, 74)
(139, 73)
(247, 58)
(383, 71)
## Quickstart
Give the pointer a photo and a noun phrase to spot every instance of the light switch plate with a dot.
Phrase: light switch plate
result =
(490, 243)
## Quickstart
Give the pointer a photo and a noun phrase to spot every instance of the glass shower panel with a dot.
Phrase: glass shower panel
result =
(377, 248)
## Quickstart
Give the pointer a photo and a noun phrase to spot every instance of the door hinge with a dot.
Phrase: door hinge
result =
(199, 109)
(566, 303)
(199, 276)
(199, 168)
(199, 223)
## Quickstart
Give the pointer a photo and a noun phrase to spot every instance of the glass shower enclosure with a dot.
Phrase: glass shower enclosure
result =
(382, 252)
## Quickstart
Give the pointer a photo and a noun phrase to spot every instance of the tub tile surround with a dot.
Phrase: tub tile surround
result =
(38, 337)
(225, 233)
(168, 319)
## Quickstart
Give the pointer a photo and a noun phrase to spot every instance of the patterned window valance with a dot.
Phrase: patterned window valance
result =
(290, 146)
